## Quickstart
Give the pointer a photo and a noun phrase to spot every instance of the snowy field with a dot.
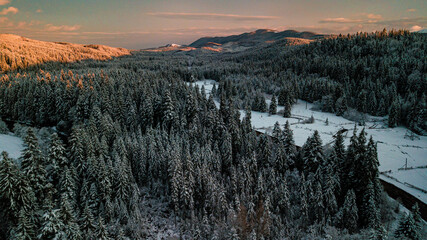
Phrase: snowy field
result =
(393, 148)
(11, 144)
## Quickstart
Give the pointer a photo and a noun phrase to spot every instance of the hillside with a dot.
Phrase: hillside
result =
(238, 43)
(256, 37)
(18, 52)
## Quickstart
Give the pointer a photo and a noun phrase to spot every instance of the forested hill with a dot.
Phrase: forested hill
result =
(382, 73)
(17, 52)
(256, 37)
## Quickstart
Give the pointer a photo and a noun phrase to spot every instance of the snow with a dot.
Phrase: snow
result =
(11, 144)
(393, 148)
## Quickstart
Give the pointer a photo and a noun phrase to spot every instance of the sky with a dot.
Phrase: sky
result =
(136, 24)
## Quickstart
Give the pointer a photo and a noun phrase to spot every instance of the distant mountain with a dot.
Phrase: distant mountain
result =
(253, 38)
(18, 52)
(170, 47)
(235, 43)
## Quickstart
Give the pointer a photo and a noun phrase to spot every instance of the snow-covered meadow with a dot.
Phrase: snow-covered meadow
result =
(13, 145)
(393, 148)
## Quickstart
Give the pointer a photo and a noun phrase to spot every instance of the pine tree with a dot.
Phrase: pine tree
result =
(394, 114)
(24, 229)
(289, 143)
(273, 106)
(168, 108)
(33, 165)
(87, 221)
(8, 178)
(372, 162)
(313, 153)
(369, 216)
(68, 218)
(56, 159)
(347, 216)
(52, 226)
(277, 132)
(287, 108)
(407, 228)
(101, 230)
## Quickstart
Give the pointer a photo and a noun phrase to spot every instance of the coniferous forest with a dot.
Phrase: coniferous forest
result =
(128, 149)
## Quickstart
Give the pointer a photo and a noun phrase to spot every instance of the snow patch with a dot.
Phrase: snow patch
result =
(12, 145)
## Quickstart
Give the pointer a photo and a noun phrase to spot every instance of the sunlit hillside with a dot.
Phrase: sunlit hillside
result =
(18, 52)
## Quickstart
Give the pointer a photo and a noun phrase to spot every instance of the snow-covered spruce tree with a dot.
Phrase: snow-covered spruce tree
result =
(52, 226)
(56, 160)
(277, 132)
(407, 228)
(394, 114)
(87, 222)
(9, 175)
(287, 107)
(273, 106)
(24, 229)
(289, 143)
(68, 218)
(347, 217)
(313, 153)
(347, 168)
(369, 215)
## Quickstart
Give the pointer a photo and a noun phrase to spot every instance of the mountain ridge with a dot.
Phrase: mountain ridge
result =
(17, 52)
(255, 37)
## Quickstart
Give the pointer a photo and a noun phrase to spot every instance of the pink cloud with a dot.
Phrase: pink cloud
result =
(4, 2)
(53, 28)
(340, 20)
(39, 11)
(210, 16)
(374, 16)
(3, 19)
(12, 10)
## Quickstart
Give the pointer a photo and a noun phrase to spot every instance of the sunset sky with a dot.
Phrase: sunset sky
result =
(141, 24)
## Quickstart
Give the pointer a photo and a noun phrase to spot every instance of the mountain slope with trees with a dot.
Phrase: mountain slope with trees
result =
(17, 52)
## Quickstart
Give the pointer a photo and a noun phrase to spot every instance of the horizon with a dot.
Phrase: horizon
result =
(147, 24)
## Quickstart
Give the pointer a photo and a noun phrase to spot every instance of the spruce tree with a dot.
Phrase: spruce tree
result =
(56, 159)
(369, 215)
(24, 230)
(289, 143)
(273, 106)
(394, 114)
(287, 108)
(313, 153)
(407, 228)
(52, 226)
(347, 216)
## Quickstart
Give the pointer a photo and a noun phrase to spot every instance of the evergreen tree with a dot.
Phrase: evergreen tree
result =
(87, 221)
(24, 230)
(56, 159)
(273, 106)
(101, 230)
(369, 216)
(313, 153)
(287, 108)
(52, 226)
(407, 228)
(277, 132)
(394, 114)
(289, 143)
(347, 216)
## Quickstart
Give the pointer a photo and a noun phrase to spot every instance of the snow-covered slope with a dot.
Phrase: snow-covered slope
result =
(393, 148)
(11, 144)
